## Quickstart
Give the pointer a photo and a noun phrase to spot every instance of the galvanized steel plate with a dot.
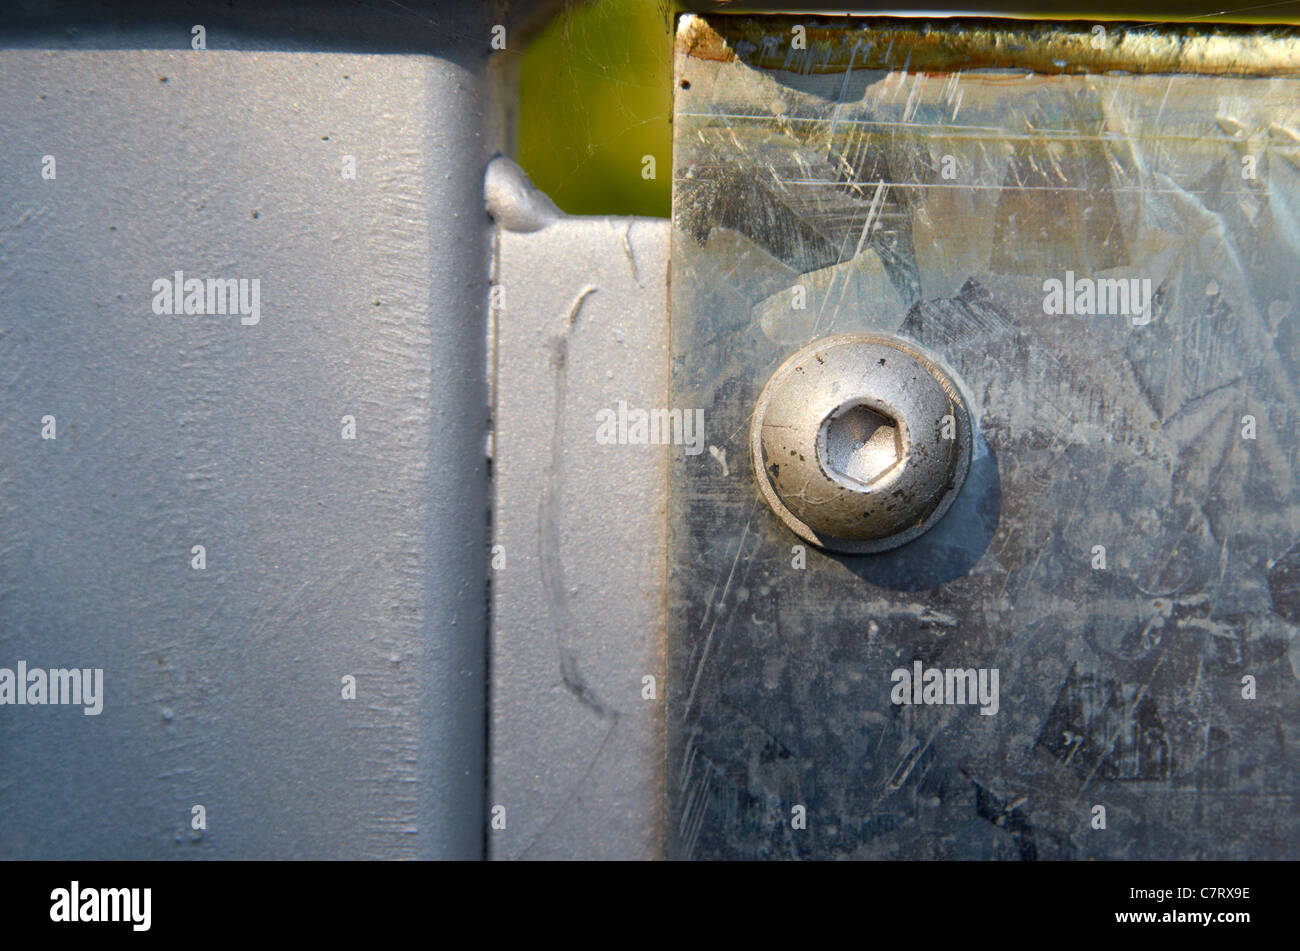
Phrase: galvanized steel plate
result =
(1098, 229)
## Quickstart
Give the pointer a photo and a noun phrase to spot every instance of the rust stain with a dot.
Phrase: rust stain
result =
(831, 45)
(697, 39)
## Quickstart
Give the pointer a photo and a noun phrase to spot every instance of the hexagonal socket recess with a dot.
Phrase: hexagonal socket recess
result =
(861, 442)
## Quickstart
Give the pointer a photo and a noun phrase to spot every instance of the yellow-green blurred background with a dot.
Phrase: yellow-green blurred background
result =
(595, 96)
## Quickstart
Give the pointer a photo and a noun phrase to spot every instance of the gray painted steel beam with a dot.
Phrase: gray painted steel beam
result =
(325, 557)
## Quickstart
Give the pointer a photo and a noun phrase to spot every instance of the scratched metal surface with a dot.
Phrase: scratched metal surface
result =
(1120, 686)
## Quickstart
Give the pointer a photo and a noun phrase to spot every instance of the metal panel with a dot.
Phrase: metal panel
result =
(325, 557)
(578, 531)
(930, 180)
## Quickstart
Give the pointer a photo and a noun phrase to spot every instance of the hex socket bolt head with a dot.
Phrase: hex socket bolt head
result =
(861, 442)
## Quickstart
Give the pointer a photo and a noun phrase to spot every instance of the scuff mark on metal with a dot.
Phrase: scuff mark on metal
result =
(550, 557)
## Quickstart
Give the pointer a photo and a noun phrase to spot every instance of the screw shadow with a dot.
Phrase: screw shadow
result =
(952, 547)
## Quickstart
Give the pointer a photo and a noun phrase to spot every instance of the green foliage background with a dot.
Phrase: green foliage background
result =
(595, 96)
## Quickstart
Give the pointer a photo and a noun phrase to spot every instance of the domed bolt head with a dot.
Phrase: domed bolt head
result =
(861, 442)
